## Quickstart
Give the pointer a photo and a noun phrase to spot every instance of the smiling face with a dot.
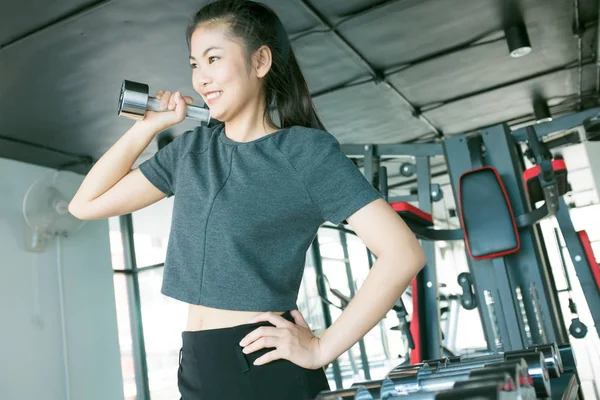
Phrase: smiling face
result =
(221, 73)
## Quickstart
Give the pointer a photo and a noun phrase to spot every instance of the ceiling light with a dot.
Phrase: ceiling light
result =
(517, 40)
(541, 111)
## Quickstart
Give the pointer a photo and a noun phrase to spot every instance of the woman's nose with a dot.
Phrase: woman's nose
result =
(202, 79)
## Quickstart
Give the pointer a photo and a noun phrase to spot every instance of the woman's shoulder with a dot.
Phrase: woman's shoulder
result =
(197, 138)
(308, 136)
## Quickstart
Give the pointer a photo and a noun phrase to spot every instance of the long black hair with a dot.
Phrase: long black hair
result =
(256, 24)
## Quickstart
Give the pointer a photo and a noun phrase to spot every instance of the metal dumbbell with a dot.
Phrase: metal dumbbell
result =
(491, 387)
(442, 375)
(447, 378)
(568, 357)
(378, 389)
(134, 102)
(354, 393)
(550, 352)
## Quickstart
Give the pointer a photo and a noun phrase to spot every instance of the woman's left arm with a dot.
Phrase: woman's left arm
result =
(399, 259)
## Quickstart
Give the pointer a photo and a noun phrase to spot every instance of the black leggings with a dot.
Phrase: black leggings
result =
(213, 366)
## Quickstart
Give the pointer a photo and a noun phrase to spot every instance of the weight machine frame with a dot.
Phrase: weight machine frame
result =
(534, 307)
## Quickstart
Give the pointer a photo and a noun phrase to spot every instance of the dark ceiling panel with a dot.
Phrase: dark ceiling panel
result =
(507, 103)
(366, 114)
(486, 66)
(293, 15)
(324, 63)
(337, 9)
(19, 17)
(407, 30)
(69, 74)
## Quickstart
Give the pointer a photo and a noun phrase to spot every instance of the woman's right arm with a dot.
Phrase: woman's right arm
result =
(111, 188)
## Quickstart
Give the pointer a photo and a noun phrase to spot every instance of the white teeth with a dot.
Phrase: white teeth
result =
(214, 95)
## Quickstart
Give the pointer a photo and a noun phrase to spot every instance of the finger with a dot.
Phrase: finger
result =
(173, 101)
(299, 318)
(271, 317)
(159, 94)
(189, 100)
(263, 342)
(267, 358)
(260, 332)
(164, 101)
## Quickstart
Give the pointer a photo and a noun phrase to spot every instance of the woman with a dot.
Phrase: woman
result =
(250, 195)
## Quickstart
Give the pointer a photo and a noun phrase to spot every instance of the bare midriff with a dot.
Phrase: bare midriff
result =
(202, 318)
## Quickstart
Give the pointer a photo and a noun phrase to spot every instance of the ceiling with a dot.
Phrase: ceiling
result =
(442, 67)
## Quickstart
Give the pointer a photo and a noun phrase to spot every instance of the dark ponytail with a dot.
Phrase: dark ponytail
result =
(256, 25)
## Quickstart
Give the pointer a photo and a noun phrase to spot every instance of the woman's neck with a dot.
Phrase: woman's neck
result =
(250, 125)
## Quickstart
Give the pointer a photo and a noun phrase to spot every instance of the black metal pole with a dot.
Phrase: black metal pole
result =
(135, 311)
(316, 255)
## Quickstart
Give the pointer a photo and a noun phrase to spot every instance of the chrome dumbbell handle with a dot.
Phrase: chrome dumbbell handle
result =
(193, 112)
(134, 102)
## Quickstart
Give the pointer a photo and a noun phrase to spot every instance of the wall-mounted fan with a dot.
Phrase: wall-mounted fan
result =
(45, 208)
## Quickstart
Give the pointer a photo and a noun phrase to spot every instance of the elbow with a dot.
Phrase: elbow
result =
(420, 259)
(75, 210)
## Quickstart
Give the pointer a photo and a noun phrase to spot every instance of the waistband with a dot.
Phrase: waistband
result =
(233, 330)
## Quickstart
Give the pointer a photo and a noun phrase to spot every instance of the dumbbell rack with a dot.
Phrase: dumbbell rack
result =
(540, 372)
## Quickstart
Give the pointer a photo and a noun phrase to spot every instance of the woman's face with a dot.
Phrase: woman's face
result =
(220, 73)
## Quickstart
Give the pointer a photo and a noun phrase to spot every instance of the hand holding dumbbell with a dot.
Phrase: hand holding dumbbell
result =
(164, 110)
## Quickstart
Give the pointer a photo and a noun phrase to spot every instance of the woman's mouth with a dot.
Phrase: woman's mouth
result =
(212, 97)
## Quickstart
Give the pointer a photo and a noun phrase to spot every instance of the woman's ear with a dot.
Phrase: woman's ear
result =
(262, 61)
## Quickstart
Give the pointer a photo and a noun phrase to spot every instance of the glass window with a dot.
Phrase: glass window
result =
(122, 309)
(116, 244)
(151, 227)
(382, 345)
(163, 319)
(125, 341)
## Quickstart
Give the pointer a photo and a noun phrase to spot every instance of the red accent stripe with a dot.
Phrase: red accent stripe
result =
(415, 331)
(462, 221)
(589, 254)
(407, 207)
(533, 172)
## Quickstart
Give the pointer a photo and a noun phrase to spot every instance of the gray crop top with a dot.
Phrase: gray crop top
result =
(245, 213)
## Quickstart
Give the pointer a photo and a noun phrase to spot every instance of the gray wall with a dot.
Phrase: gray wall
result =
(31, 346)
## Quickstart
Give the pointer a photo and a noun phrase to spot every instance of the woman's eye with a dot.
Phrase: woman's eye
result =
(210, 59)
(192, 66)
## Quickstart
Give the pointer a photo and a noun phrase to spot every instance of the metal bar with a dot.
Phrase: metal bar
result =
(427, 285)
(135, 311)
(580, 262)
(416, 150)
(526, 267)
(316, 256)
(436, 174)
(458, 159)
(508, 316)
(579, 34)
(370, 160)
(403, 199)
(339, 228)
(563, 262)
(82, 159)
(361, 342)
(567, 122)
(378, 75)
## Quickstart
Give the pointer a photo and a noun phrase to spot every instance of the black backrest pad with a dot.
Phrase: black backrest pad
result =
(486, 216)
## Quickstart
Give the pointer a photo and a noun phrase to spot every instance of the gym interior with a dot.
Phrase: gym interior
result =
(478, 121)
